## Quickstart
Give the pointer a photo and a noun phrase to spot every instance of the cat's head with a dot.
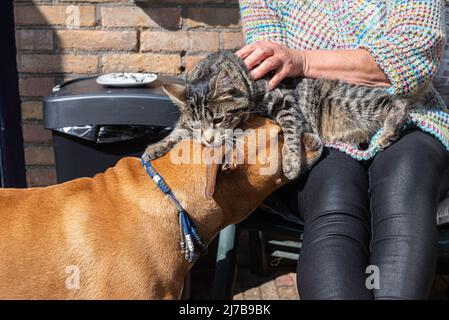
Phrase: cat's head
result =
(216, 97)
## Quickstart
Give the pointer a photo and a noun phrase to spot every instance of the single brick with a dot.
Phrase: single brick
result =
(213, 17)
(39, 177)
(70, 16)
(287, 293)
(233, 40)
(35, 133)
(97, 40)
(39, 155)
(46, 63)
(35, 86)
(169, 18)
(238, 296)
(158, 63)
(34, 39)
(192, 61)
(268, 291)
(252, 294)
(31, 110)
(179, 41)
(284, 280)
(203, 41)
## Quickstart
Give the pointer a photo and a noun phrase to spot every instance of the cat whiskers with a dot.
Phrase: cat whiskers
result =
(250, 112)
(233, 143)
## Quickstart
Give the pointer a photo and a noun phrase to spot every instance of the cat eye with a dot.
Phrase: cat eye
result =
(218, 120)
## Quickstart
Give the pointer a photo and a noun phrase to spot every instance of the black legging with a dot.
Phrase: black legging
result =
(380, 213)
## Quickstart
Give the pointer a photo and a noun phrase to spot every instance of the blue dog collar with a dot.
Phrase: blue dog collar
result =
(191, 243)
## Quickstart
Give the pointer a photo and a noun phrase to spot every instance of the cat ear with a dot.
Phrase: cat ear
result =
(177, 93)
(223, 83)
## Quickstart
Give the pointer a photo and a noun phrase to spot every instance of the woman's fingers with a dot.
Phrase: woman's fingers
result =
(280, 75)
(266, 66)
(245, 51)
(257, 56)
(264, 56)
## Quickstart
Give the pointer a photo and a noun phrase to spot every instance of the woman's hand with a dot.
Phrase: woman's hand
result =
(352, 65)
(265, 56)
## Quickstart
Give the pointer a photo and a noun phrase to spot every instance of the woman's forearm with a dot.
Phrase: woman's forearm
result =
(354, 66)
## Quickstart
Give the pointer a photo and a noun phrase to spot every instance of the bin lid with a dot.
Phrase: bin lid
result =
(82, 101)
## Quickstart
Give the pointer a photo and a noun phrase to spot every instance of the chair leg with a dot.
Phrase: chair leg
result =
(259, 263)
(225, 267)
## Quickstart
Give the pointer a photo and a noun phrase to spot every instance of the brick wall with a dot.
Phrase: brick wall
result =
(163, 36)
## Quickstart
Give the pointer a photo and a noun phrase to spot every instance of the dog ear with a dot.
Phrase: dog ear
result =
(211, 179)
(177, 93)
(213, 170)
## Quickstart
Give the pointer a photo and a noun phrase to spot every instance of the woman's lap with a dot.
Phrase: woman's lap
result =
(382, 213)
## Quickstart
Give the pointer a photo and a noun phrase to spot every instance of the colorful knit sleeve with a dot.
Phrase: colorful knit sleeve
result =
(262, 20)
(410, 48)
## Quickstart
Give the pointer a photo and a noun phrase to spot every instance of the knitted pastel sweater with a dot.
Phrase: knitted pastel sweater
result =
(405, 38)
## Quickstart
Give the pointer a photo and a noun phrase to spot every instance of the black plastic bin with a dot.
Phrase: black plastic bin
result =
(94, 126)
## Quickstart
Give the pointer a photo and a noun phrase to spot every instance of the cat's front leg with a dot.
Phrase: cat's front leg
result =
(289, 121)
(301, 149)
(158, 149)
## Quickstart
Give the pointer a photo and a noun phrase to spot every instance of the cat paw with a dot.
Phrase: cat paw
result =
(152, 153)
(291, 165)
(230, 164)
(385, 141)
(313, 148)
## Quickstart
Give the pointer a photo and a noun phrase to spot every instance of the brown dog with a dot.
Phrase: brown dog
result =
(117, 233)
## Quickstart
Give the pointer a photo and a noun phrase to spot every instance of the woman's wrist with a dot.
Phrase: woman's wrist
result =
(305, 57)
(300, 59)
(354, 66)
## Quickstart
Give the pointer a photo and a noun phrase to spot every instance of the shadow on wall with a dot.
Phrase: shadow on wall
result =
(212, 16)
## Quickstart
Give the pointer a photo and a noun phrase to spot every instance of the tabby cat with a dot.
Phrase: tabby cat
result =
(219, 94)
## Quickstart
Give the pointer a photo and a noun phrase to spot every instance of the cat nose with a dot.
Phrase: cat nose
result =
(209, 136)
